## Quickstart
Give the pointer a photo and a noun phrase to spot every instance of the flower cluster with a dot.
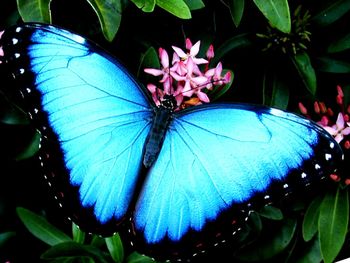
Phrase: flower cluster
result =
(184, 79)
(337, 123)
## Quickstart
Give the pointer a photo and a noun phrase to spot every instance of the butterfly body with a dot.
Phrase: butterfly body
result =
(155, 139)
(207, 164)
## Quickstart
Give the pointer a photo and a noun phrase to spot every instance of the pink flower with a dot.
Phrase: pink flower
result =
(339, 129)
(157, 94)
(192, 81)
(193, 51)
(165, 71)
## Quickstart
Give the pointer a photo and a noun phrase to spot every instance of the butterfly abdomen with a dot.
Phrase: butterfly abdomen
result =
(156, 136)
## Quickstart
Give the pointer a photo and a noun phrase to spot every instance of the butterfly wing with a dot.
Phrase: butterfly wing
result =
(214, 159)
(94, 118)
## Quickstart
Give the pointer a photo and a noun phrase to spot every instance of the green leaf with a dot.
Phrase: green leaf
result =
(331, 12)
(330, 65)
(31, 149)
(280, 96)
(13, 117)
(149, 59)
(109, 14)
(145, 5)
(176, 7)
(10, 113)
(78, 234)
(41, 228)
(306, 71)
(346, 91)
(276, 87)
(255, 223)
(340, 44)
(333, 223)
(195, 4)
(73, 249)
(276, 12)
(4, 237)
(271, 212)
(115, 248)
(309, 227)
(97, 241)
(34, 10)
(310, 253)
(138, 258)
(236, 9)
(234, 43)
(270, 243)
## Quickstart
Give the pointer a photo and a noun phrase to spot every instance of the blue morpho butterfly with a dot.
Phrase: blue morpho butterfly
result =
(206, 165)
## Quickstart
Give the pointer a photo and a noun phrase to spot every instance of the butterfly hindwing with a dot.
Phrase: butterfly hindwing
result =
(91, 105)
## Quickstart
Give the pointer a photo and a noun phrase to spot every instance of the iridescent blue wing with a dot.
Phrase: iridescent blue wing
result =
(94, 118)
(215, 159)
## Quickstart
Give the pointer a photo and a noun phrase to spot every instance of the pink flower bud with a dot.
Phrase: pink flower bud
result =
(227, 77)
(324, 121)
(210, 52)
(339, 100)
(340, 91)
(330, 112)
(302, 108)
(316, 107)
(323, 107)
(347, 145)
(347, 181)
(188, 44)
(335, 177)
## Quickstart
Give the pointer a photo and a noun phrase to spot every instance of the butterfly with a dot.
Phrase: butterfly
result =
(176, 181)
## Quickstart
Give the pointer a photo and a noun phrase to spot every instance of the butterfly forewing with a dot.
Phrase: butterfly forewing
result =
(83, 102)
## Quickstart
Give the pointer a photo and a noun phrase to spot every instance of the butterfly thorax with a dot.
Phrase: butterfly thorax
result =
(155, 138)
(168, 102)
